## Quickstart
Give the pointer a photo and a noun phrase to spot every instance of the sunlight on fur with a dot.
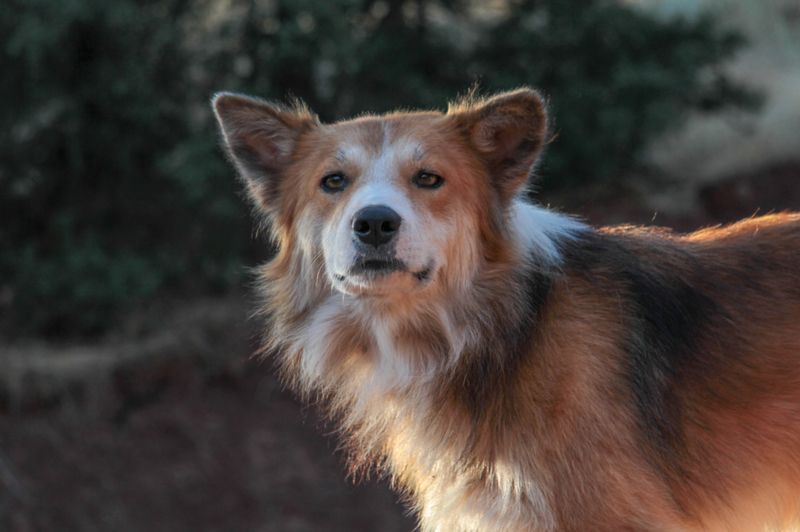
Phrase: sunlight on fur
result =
(508, 367)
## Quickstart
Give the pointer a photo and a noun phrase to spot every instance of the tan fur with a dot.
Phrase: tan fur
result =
(569, 380)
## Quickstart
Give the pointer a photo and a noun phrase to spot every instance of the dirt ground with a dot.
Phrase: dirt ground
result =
(192, 449)
(180, 429)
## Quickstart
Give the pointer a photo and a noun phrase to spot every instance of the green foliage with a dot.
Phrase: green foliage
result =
(108, 192)
(615, 79)
(113, 190)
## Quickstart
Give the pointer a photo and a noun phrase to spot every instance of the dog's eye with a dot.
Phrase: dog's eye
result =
(428, 180)
(333, 183)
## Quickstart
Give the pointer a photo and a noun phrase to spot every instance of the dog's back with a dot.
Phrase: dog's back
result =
(684, 352)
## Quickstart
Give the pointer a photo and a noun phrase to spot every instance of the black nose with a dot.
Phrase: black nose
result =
(376, 225)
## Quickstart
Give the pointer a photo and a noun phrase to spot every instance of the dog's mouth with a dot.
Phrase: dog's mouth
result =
(375, 267)
(423, 275)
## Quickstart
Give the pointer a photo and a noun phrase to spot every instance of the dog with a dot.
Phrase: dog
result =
(509, 367)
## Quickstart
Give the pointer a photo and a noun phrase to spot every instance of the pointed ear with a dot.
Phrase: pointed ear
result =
(508, 131)
(260, 138)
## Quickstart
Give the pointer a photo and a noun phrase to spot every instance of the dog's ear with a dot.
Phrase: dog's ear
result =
(508, 131)
(260, 138)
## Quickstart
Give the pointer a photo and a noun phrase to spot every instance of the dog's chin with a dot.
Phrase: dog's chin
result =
(382, 279)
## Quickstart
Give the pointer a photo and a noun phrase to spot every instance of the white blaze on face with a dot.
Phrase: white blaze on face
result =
(380, 181)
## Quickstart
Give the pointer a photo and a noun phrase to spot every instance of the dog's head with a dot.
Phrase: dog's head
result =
(387, 205)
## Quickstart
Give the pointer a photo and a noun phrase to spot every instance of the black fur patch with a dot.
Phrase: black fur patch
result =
(660, 287)
(489, 369)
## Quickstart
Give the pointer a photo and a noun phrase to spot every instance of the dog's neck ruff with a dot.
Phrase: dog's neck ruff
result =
(404, 378)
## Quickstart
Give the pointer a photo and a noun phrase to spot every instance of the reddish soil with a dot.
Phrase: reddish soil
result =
(191, 450)
(774, 189)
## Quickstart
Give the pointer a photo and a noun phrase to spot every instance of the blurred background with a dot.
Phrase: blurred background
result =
(128, 397)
